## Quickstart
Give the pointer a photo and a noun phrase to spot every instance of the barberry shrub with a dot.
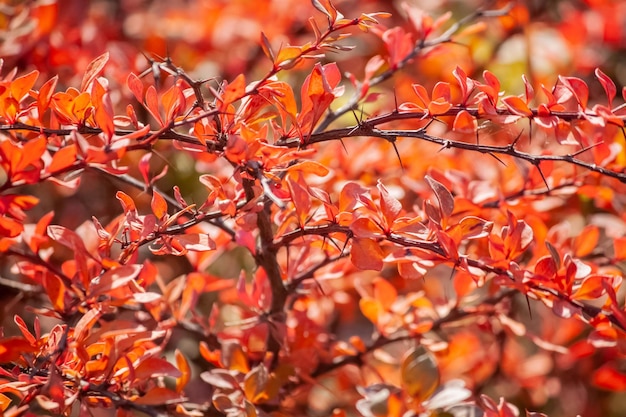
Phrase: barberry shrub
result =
(274, 213)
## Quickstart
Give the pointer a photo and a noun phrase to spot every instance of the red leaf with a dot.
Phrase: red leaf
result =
(529, 90)
(546, 267)
(158, 396)
(492, 89)
(578, 88)
(446, 201)
(300, 197)
(466, 85)
(366, 254)
(608, 85)
(326, 7)
(440, 103)
(390, 206)
(136, 86)
(93, 70)
(112, 279)
(196, 242)
(152, 104)
(267, 47)
(21, 324)
(152, 367)
(364, 227)
(607, 377)
(86, 323)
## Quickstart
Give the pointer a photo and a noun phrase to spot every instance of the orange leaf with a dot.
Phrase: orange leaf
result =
(234, 91)
(56, 290)
(591, 288)
(371, 309)
(12, 348)
(5, 402)
(173, 101)
(127, 203)
(422, 96)
(185, 370)
(384, 292)
(104, 109)
(586, 241)
(158, 205)
(63, 158)
(465, 123)
(440, 103)
(45, 96)
(516, 106)
(287, 55)
(619, 248)
(22, 85)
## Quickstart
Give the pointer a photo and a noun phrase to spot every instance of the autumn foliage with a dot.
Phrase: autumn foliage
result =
(312, 209)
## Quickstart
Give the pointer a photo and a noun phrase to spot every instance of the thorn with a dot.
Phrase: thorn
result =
(395, 101)
(395, 148)
(494, 156)
(512, 145)
(446, 145)
(343, 145)
(541, 173)
(585, 149)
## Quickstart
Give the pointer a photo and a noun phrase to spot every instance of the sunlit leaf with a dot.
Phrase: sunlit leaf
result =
(420, 373)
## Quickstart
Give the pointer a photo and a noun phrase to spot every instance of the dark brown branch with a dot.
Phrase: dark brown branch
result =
(265, 257)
